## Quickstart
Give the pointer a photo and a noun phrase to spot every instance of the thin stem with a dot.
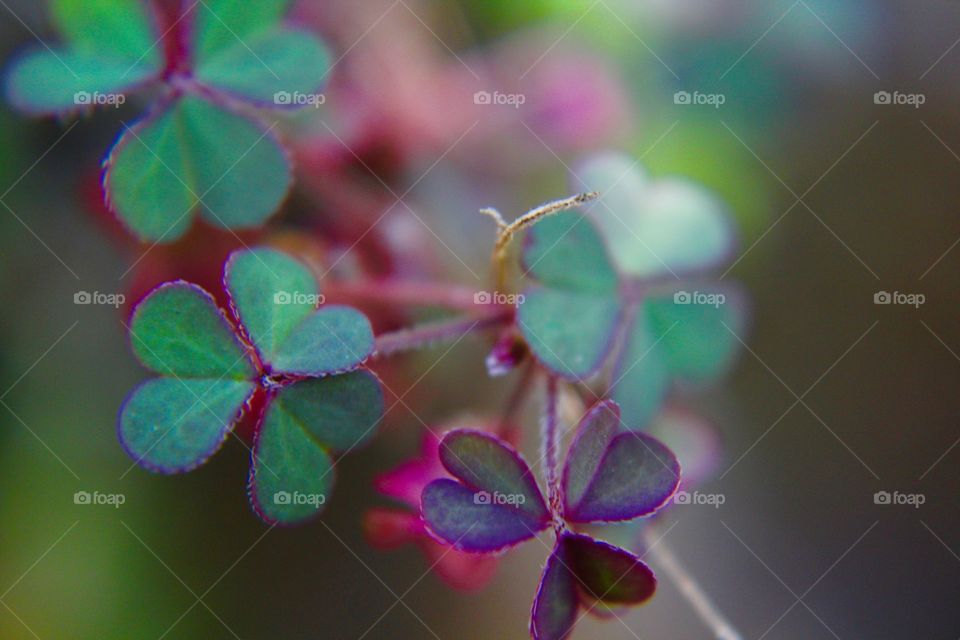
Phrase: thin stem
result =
(550, 442)
(436, 332)
(404, 292)
(694, 594)
(516, 400)
(506, 232)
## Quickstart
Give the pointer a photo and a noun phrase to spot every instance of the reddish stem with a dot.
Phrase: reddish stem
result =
(392, 292)
(435, 332)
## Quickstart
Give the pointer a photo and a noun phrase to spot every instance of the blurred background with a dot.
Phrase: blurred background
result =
(838, 195)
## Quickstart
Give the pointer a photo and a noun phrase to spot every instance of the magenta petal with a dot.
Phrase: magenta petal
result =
(606, 573)
(555, 607)
(614, 474)
(469, 520)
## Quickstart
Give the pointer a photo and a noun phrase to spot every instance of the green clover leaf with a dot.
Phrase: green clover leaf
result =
(318, 403)
(193, 154)
(602, 292)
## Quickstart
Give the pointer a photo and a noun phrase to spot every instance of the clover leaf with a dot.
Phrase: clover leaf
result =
(612, 473)
(603, 289)
(318, 402)
(193, 153)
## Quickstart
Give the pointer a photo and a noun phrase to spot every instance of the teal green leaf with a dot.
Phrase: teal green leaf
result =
(332, 340)
(49, 82)
(667, 226)
(675, 339)
(570, 333)
(112, 29)
(567, 252)
(271, 293)
(280, 67)
(640, 377)
(193, 155)
(342, 412)
(178, 330)
(699, 341)
(292, 474)
(171, 425)
(222, 24)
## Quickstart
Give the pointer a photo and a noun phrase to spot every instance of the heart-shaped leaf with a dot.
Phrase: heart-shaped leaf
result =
(292, 474)
(659, 227)
(605, 573)
(276, 68)
(342, 412)
(292, 470)
(193, 155)
(582, 571)
(557, 602)
(675, 335)
(567, 252)
(497, 502)
(571, 333)
(172, 425)
(614, 474)
(332, 340)
(112, 29)
(178, 330)
(220, 24)
(271, 293)
(111, 49)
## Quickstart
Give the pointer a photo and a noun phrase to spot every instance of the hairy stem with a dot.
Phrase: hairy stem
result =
(701, 603)
(436, 332)
(550, 443)
(506, 232)
(390, 291)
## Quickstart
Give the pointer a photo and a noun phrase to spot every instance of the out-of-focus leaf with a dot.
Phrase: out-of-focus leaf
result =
(277, 68)
(222, 24)
(193, 155)
(668, 226)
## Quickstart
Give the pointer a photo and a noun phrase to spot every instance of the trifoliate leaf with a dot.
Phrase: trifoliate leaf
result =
(178, 330)
(193, 155)
(172, 425)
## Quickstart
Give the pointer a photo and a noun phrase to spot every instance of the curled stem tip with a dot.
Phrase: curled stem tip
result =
(506, 232)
